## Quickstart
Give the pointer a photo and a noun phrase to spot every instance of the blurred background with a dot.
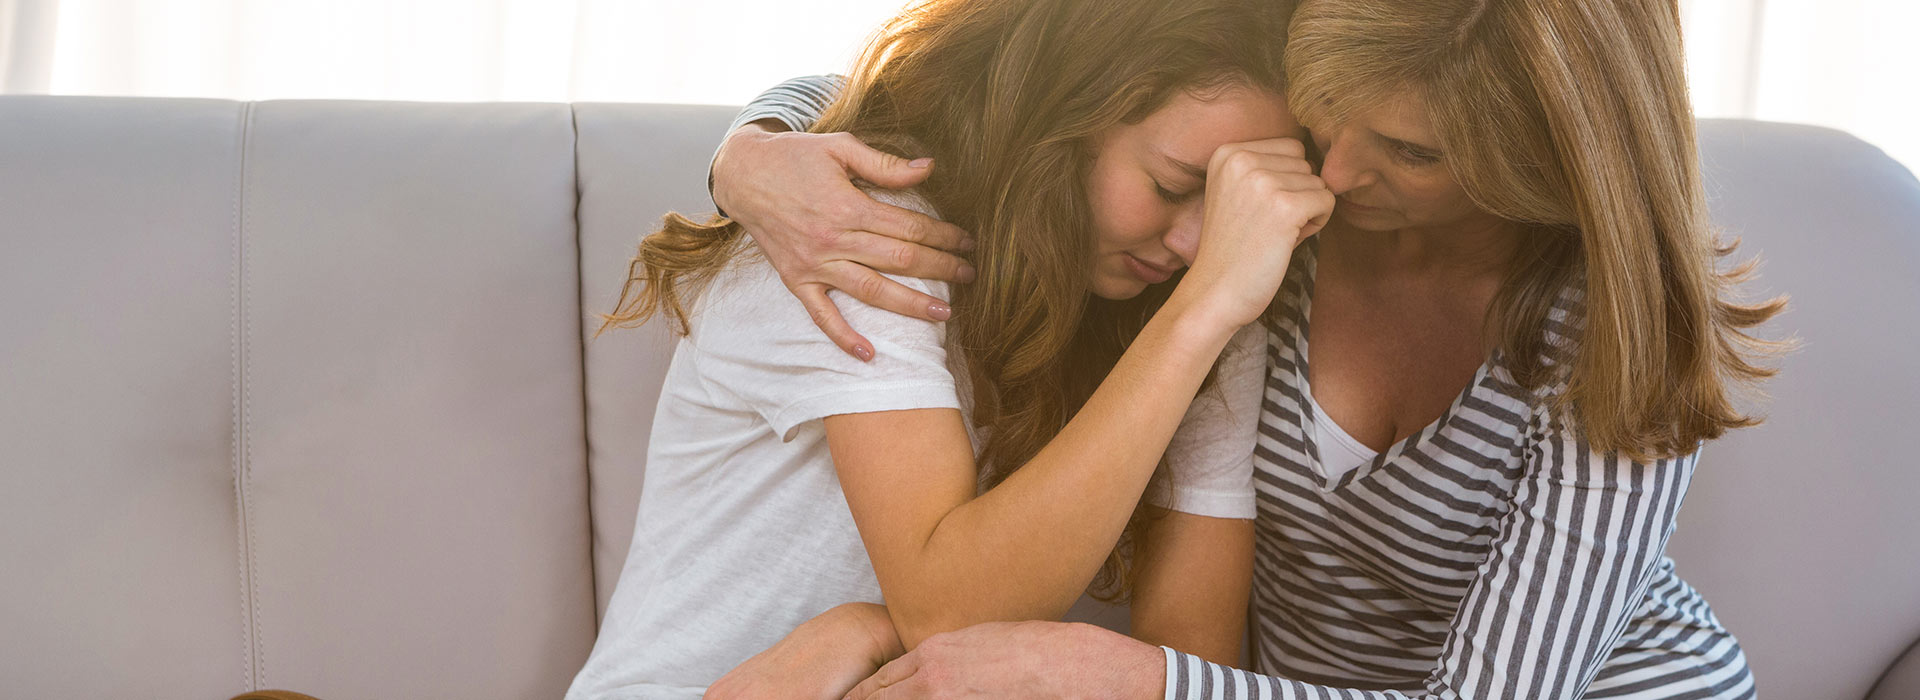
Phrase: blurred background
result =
(1848, 64)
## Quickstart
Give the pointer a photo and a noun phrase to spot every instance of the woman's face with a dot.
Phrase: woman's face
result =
(1387, 170)
(1148, 180)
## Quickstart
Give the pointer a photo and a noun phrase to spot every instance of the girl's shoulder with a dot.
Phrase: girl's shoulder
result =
(748, 289)
(746, 307)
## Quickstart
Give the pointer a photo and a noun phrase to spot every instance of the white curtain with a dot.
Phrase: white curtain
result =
(26, 45)
(1852, 65)
(463, 50)
(1849, 64)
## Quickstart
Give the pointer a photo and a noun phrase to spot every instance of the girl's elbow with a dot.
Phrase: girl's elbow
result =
(915, 622)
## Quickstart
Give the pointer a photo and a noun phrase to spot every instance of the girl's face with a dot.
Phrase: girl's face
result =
(1147, 182)
(1386, 168)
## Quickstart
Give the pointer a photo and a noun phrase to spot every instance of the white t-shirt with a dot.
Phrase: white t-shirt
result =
(1340, 452)
(743, 532)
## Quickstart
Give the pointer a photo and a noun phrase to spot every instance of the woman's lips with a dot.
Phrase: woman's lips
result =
(1151, 273)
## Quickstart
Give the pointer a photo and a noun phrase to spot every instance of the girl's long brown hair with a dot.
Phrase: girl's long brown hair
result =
(1570, 116)
(1006, 96)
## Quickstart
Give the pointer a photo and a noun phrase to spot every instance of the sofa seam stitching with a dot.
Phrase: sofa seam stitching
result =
(253, 542)
(239, 478)
(586, 415)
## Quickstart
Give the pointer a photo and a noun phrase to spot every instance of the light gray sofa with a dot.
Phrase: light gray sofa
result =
(300, 395)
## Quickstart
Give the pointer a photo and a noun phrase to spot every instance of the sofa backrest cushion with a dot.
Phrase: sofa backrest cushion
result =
(293, 399)
(1801, 531)
(637, 162)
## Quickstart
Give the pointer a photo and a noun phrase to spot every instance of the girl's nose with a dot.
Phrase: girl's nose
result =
(1183, 238)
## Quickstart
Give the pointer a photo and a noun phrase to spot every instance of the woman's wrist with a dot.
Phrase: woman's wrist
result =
(1133, 669)
(720, 172)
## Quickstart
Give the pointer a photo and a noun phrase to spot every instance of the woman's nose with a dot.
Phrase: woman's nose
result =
(1342, 167)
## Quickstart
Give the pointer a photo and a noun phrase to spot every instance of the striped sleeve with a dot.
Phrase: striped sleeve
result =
(1570, 563)
(797, 103)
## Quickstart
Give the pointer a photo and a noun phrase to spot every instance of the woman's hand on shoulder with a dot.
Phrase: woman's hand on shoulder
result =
(1262, 201)
(794, 194)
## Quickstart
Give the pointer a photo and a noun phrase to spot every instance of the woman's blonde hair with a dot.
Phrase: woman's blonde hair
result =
(1572, 117)
(1007, 96)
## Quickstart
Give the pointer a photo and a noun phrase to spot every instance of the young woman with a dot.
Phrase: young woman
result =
(1489, 380)
(785, 479)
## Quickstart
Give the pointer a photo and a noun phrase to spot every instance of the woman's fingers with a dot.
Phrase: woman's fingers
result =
(877, 166)
(871, 288)
(915, 227)
(892, 172)
(794, 194)
(894, 673)
(820, 308)
(877, 291)
(901, 258)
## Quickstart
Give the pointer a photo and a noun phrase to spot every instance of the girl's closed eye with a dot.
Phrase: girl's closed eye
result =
(1172, 197)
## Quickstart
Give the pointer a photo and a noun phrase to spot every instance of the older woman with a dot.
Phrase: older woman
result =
(1488, 380)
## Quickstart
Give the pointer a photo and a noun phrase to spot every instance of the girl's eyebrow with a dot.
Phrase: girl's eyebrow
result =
(1198, 172)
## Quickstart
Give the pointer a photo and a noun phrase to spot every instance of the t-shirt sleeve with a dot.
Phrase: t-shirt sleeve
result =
(797, 103)
(1210, 458)
(755, 342)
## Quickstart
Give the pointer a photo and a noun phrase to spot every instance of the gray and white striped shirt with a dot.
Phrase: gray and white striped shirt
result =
(1492, 554)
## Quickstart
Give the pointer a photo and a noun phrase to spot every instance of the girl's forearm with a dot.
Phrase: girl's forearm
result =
(1026, 549)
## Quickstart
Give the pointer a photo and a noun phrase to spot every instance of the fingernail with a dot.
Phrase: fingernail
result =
(919, 162)
(966, 245)
(863, 352)
(939, 312)
(966, 274)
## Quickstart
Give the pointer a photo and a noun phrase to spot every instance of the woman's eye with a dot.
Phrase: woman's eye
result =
(1413, 157)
